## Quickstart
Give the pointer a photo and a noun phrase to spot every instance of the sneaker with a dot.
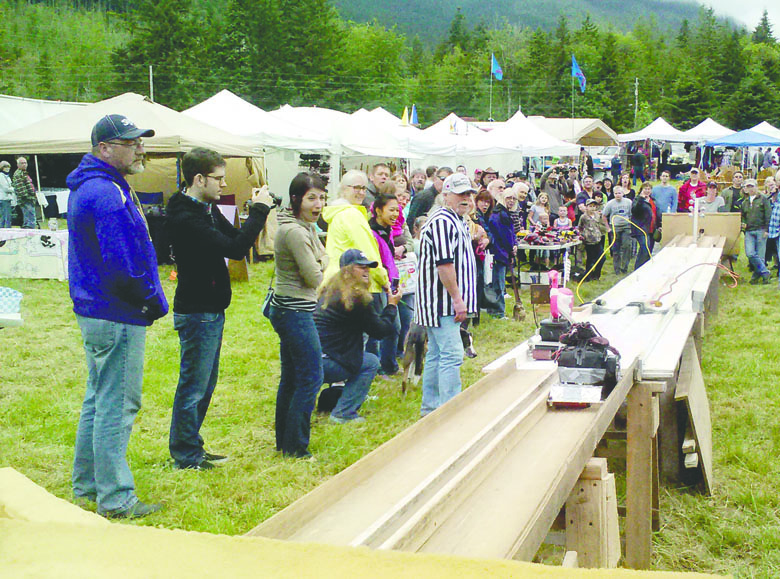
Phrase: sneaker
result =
(139, 509)
(204, 465)
(339, 420)
(215, 458)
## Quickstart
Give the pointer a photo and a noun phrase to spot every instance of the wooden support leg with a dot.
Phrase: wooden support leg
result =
(639, 478)
(591, 518)
(656, 487)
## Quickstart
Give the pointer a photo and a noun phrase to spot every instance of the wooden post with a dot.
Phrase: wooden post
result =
(591, 517)
(639, 478)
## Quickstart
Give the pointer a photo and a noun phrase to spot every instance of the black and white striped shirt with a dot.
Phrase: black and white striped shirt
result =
(444, 239)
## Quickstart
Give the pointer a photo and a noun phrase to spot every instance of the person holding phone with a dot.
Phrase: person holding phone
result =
(344, 313)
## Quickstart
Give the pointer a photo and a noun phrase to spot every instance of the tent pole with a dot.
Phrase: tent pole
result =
(41, 195)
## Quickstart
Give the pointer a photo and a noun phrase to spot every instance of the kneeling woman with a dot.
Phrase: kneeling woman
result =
(300, 262)
(344, 313)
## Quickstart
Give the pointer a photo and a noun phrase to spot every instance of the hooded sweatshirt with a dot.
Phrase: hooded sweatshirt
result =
(201, 238)
(348, 229)
(300, 258)
(112, 264)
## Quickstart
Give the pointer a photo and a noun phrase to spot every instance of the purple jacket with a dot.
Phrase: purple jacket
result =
(112, 263)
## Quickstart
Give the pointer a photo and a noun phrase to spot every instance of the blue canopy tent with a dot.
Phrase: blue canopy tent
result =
(746, 138)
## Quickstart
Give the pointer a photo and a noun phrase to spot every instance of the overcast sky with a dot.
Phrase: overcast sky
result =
(748, 12)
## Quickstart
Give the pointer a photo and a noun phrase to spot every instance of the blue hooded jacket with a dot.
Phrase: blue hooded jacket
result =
(112, 264)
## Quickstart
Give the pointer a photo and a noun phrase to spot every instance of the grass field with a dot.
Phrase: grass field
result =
(42, 374)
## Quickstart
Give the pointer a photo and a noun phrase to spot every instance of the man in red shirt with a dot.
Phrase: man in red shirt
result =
(689, 190)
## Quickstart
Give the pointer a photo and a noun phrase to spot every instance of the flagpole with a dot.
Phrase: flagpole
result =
(572, 97)
(490, 112)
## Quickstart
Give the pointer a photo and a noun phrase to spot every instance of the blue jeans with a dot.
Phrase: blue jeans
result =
(496, 290)
(386, 348)
(642, 255)
(301, 378)
(755, 248)
(639, 172)
(115, 366)
(200, 339)
(5, 214)
(405, 316)
(441, 375)
(356, 385)
(29, 220)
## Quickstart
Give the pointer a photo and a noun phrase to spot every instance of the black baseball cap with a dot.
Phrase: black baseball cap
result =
(355, 257)
(113, 127)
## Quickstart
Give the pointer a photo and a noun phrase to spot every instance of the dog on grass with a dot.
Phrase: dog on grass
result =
(415, 347)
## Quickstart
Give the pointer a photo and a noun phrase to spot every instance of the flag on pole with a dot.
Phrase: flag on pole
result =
(575, 71)
(495, 68)
(413, 117)
(405, 116)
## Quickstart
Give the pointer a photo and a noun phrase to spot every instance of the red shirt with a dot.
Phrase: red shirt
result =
(688, 192)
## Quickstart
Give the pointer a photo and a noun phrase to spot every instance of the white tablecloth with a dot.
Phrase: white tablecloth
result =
(34, 253)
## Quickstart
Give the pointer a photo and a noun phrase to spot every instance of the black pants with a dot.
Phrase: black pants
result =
(593, 252)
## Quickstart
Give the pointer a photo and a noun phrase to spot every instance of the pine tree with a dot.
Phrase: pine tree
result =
(763, 32)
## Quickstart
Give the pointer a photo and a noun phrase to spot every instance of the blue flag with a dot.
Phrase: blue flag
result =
(413, 116)
(495, 68)
(575, 71)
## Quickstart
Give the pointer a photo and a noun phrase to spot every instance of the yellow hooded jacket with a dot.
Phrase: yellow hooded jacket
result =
(348, 229)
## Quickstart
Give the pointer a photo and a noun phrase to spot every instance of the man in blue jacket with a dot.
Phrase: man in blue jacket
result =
(116, 294)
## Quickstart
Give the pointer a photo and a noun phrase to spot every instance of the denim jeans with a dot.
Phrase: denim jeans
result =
(29, 221)
(301, 378)
(356, 385)
(200, 340)
(496, 290)
(755, 248)
(441, 375)
(405, 316)
(5, 214)
(621, 250)
(115, 365)
(642, 255)
(386, 348)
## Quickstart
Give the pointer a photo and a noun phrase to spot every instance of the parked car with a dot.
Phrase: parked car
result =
(602, 161)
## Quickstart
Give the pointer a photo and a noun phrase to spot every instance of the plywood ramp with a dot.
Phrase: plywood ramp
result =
(66, 550)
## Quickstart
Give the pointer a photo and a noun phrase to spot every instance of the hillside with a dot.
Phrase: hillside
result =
(429, 19)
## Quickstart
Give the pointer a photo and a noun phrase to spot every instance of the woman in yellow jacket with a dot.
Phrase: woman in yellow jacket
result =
(348, 228)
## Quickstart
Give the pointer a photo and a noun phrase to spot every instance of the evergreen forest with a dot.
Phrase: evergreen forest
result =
(303, 52)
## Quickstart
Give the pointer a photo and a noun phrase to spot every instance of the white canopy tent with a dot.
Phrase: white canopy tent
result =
(766, 129)
(519, 132)
(18, 112)
(583, 131)
(658, 130)
(69, 131)
(706, 130)
(233, 114)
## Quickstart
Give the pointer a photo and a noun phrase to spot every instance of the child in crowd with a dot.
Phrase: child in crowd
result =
(615, 216)
(592, 230)
(562, 222)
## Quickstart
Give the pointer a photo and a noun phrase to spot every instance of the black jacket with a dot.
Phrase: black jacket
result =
(421, 205)
(341, 332)
(201, 238)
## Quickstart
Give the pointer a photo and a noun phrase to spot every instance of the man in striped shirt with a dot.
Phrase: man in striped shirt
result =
(446, 291)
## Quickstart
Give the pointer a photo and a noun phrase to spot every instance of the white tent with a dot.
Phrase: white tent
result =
(17, 112)
(766, 129)
(471, 141)
(706, 130)
(658, 130)
(233, 114)
(69, 131)
(410, 137)
(522, 134)
(583, 131)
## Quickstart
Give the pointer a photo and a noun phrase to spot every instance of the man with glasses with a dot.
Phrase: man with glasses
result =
(116, 294)
(424, 200)
(201, 238)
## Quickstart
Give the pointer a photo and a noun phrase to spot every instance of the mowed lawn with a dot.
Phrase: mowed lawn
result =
(42, 374)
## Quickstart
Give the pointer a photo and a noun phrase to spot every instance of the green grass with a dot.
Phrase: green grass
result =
(42, 375)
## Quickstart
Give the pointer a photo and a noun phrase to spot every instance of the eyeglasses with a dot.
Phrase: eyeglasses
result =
(217, 178)
(441, 177)
(135, 144)
(358, 187)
